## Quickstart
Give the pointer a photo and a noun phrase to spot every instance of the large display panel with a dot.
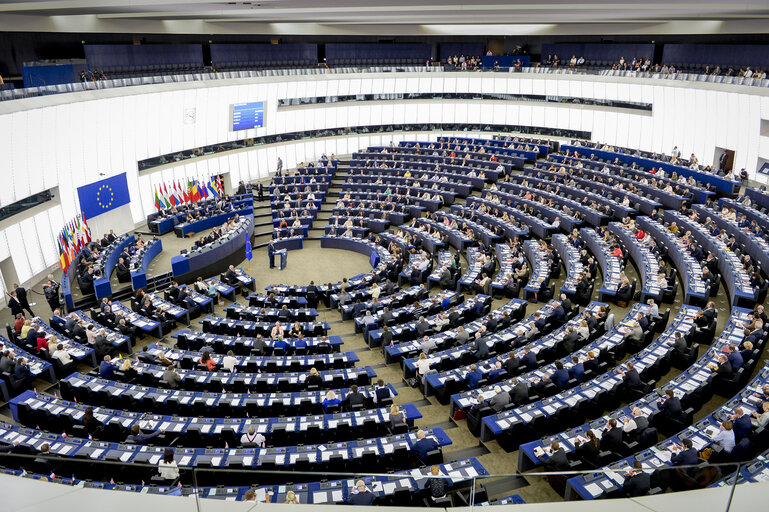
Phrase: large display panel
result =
(247, 115)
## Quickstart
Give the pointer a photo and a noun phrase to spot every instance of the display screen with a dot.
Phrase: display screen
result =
(247, 115)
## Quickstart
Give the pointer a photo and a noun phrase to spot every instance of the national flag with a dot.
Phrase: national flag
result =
(112, 480)
(212, 187)
(194, 191)
(202, 189)
(226, 445)
(52, 475)
(87, 228)
(62, 259)
(172, 196)
(165, 196)
(219, 185)
(178, 189)
(158, 203)
(186, 192)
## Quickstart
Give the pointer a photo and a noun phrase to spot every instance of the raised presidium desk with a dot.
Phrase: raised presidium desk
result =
(139, 274)
(160, 224)
(211, 222)
(209, 254)
(101, 286)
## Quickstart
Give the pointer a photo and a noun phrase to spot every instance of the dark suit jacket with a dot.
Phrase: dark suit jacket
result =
(557, 461)
(611, 439)
(637, 485)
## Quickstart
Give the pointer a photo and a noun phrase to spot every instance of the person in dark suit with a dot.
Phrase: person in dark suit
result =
(21, 296)
(670, 405)
(355, 397)
(637, 483)
(577, 370)
(520, 392)
(589, 450)
(741, 424)
(722, 161)
(611, 439)
(424, 445)
(570, 340)
(559, 314)
(22, 373)
(15, 305)
(360, 495)
(539, 322)
(557, 460)
(686, 456)
(511, 364)
(561, 375)
(630, 377)
(231, 276)
(734, 357)
(480, 347)
(529, 359)
(724, 368)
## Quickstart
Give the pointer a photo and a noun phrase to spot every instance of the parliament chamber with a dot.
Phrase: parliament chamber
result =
(436, 270)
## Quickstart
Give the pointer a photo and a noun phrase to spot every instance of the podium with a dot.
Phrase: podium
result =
(282, 256)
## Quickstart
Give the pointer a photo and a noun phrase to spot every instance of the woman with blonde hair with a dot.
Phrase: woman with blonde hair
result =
(291, 498)
(396, 416)
(330, 400)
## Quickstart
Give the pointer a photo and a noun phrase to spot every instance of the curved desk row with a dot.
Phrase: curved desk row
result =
(701, 434)
(211, 430)
(234, 458)
(611, 266)
(528, 222)
(722, 184)
(729, 265)
(101, 286)
(591, 216)
(530, 454)
(545, 177)
(646, 262)
(139, 276)
(570, 256)
(695, 289)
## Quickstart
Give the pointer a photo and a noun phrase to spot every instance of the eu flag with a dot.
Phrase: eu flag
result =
(249, 253)
(103, 196)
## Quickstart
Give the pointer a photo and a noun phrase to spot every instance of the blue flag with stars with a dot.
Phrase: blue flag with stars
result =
(103, 196)
(249, 253)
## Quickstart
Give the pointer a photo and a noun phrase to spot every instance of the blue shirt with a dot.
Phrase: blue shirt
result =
(327, 403)
(473, 378)
(735, 358)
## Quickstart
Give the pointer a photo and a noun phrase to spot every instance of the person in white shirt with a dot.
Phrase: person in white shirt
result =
(375, 291)
(252, 437)
(61, 354)
(167, 468)
(229, 361)
(368, 319)
(725, 436)
(423, 365)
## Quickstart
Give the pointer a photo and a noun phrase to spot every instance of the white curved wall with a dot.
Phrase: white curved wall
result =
(68, 140)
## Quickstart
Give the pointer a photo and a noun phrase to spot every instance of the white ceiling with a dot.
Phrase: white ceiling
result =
(383, 17)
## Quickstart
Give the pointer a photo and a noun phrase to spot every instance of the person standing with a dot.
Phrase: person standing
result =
(21, 296)
(51, 291)
(280, 164)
